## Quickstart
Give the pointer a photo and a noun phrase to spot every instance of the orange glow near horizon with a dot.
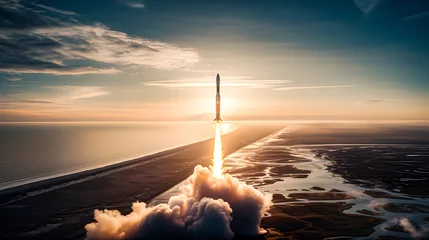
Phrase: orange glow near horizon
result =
(217, 157)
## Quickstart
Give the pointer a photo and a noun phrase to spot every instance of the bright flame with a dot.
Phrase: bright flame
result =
(217, 157)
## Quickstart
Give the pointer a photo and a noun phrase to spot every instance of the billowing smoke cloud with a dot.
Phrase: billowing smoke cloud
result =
(208, 208)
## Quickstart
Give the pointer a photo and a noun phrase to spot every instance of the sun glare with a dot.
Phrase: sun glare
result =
(229, 106)
(217, 157)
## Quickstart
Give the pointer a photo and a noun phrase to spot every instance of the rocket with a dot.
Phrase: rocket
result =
(217, 119)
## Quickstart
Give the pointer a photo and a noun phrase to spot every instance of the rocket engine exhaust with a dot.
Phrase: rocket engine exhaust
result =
(211, 204)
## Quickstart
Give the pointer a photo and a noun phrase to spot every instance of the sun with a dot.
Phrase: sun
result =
(229, 106)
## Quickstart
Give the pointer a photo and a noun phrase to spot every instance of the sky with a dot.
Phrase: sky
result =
(157, 60)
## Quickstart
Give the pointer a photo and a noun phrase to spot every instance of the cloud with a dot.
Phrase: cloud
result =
(235, 81)
(13, 79)
(371, 101)
(51, 9)
(21, 15)
(72, 93)
(312, 87)
(198, 70)
(377, 203)
(101, 44)
(135, 4)
(226, 81)
(61, 95)
(9, 100)
(418, 16)
(367, 6)
(208, 208)
(39, 39)
(59, 70)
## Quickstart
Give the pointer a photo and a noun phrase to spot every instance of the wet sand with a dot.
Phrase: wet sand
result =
(321, 193)
(316, 221)
(62, 213)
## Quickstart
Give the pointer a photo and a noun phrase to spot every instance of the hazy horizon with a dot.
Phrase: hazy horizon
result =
(157, 60)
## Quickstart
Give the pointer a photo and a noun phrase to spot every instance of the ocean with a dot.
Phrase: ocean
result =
(31, 152)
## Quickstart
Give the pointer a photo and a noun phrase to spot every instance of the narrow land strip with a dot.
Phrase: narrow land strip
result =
(62, 213)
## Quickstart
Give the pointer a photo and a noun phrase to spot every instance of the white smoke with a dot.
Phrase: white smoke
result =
(208, 208)
(377, 203)
(416, 232)
(408, 227)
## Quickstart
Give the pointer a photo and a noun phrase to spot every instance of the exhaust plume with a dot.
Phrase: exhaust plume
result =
(212, 205)
(217, 157)
(208, 208)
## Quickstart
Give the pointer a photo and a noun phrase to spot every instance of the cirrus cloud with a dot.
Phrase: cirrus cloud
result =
(73, 93)
(226, 81)
(312, 87)
(367, 6)
(13, 79)
(40, 39)
(135, 4)
(371, 101)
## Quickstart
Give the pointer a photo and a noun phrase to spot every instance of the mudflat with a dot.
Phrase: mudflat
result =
(341, 180)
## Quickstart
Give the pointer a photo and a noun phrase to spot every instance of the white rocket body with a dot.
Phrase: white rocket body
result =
(217, 119)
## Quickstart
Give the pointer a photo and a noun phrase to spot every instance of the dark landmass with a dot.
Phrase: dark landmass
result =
(316, 221)
(288, 169)
(278, 156)
(405, 208)
(417, 228)
(368, 212)
(63, 213)
(264, 165)
(317, 188)
(380, 194)
(390, 238)
(292, 197)
(357, 133)
(264, 173)
(394, 168)
(335, 190)
(397, 228)
(279, 198)
(321, 196)
(363, 167)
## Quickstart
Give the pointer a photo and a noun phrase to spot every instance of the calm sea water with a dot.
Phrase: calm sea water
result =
(34, 151)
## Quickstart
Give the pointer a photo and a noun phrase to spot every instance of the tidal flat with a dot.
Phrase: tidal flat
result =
(328, 180)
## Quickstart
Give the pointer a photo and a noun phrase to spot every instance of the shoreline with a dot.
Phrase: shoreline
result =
(81, 176)
(65, 210)
(285, 165)
(45, 184)
(31, 185)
